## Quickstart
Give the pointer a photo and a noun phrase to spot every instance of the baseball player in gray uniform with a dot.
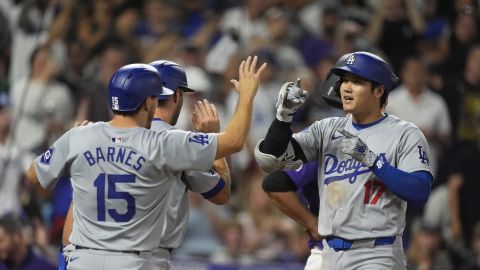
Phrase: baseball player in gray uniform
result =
(372, 165)
(214, 184)
(118, 169)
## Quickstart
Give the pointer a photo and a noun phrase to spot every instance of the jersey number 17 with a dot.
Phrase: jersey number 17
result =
(373, 191)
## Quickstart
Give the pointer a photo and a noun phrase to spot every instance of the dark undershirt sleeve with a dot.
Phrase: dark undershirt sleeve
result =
(276, 141)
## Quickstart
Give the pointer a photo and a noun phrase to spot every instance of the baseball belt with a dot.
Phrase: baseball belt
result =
(339, 244)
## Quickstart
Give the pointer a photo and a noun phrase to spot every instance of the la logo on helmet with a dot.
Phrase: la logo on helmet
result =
(351, 59)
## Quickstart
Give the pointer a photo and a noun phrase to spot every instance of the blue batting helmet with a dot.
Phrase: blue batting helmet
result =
(173, 77)
(369, 66)
(131, 85)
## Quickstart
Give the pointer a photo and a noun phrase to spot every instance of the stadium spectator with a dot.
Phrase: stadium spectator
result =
(396, 26)
(464, 188)
(462, 93)
(13, 165)
(16, 252)
(42, 106)
(414, 102)
(463, 37)
(92, 105)
(426, 250)
(266, 231)
(474, 263)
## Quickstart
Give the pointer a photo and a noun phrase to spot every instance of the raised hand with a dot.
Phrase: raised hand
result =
(290, 98)
(249, 77)
(205, 117)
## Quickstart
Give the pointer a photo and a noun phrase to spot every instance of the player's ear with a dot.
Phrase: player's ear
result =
(150, 103)
(178, 94)
(378, 91)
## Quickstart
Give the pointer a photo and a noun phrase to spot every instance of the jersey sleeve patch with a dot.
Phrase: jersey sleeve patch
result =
(422, 155)
(199, 138)
(47, 156)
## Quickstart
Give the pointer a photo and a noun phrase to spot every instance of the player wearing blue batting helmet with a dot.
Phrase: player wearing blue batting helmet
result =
(369, 66)
(131, 85)
(393, 152)
(363, 64)
(173, 77)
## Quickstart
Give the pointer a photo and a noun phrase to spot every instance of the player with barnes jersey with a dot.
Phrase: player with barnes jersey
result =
(116, 168)
(213, 184)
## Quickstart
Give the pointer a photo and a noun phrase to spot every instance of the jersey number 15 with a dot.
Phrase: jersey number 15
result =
(113, 194)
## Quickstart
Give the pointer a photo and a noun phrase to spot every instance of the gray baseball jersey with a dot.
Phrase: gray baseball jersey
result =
(354, 203)
(176, 220)
(121, 179)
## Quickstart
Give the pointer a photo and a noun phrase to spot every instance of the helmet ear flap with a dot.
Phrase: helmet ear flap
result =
(331, 90)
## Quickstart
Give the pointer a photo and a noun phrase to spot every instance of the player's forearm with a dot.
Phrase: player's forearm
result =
(277, 140)
(278, 136)
(32, 175)
(374, 30)
(415, 18)
(233, 138)
(454, 183)
(221, 167)
(455, 221)
(411, 187)
(289, 204)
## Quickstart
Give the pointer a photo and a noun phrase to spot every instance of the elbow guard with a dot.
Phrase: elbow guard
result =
(270, 163)
(278, 182)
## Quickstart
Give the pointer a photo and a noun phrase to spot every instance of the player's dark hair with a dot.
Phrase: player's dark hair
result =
(162, 102)
(384, 97)
(417, 59)
(129, 113)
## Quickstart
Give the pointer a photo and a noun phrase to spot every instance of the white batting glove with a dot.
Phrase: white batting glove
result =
(355, 147)
(290, 98)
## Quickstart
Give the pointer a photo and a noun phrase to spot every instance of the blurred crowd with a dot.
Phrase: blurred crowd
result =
(57, 56)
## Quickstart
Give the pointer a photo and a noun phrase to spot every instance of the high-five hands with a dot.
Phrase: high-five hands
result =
(249, 77)
(205, 117)
(290, 98)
